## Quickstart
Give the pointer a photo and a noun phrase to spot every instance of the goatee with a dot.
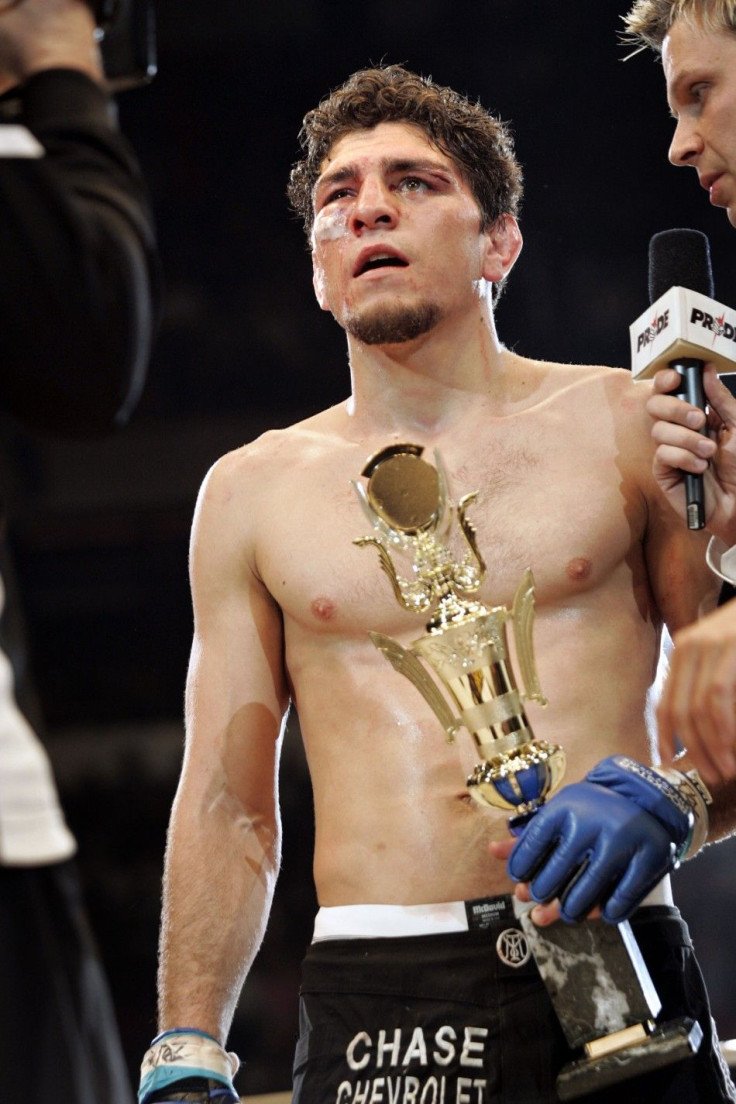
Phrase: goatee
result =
(394, 325)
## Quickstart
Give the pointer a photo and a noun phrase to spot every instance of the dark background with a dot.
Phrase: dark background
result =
(100, 529)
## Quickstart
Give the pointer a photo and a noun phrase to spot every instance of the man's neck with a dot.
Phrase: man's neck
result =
(433, 382)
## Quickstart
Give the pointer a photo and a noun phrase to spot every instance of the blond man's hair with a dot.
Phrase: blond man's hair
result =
(649, 21)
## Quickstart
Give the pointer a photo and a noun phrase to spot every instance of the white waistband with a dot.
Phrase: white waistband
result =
(376, 921)
(387, 921)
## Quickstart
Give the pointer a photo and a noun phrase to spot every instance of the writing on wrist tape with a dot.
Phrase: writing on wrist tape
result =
(182, 1053)
(695, 793)
(686, 792)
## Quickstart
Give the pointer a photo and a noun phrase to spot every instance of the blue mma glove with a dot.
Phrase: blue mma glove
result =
(187, 1065)
(610, 839)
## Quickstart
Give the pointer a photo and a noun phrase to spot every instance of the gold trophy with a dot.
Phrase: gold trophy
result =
(407, 501)
(597, 980)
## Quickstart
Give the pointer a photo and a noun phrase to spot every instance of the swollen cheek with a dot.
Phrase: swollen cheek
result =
(329, 225)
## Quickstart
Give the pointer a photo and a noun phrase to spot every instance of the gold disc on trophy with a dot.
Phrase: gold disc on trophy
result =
(403, 489)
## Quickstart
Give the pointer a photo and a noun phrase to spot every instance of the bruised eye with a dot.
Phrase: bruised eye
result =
(414, 184)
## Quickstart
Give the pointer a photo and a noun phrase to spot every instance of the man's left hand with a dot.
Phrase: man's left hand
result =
(604, 842)
(682, 447)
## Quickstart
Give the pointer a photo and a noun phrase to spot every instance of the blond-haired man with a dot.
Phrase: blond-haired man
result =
(697, 42)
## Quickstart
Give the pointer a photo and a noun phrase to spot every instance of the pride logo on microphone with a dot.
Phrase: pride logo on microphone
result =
(718, 326)
(659, 323)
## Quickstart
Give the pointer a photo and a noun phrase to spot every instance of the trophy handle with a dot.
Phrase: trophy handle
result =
(412, 597)
(444, 506)
(523, 619)
(471, 575)
(407, 664)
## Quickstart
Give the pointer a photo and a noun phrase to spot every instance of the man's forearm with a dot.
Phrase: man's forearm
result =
(214, 916)
(722, 811)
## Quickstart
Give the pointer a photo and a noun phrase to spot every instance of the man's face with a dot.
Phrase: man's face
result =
(396, 242)
(700, 68)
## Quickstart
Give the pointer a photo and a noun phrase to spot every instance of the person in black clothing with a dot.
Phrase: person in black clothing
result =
(80, 298)
(77, 250)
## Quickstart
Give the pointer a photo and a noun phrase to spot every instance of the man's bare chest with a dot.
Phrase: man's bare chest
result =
(569, 514)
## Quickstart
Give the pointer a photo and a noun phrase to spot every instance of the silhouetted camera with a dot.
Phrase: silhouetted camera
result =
(128, 41)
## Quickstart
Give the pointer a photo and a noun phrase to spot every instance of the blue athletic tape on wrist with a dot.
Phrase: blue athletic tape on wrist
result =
(183, 1053)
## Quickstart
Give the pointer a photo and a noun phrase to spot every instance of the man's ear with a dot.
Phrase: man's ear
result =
(318, 283)
(503, 244)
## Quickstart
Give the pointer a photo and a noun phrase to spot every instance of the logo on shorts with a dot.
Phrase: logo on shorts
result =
(512, 948)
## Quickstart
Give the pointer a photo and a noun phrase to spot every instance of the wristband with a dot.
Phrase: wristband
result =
(694, 792)
(185, 1052)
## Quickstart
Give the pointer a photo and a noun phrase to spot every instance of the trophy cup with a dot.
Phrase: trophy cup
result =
(594, 973)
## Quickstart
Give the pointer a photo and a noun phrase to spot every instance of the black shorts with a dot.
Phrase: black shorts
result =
(464, 1018)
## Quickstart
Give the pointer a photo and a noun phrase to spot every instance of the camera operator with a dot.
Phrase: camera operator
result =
(76, 251)
(80, 294)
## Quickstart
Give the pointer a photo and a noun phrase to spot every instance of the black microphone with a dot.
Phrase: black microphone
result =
(681, 258)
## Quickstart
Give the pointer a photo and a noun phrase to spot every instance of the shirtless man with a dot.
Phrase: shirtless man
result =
(411, 235)
(697, 42)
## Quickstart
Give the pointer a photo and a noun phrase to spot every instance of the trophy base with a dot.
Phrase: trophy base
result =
(519, 777)
(672, 1042)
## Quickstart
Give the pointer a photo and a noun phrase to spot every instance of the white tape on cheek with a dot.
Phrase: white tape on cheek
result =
(329, 225)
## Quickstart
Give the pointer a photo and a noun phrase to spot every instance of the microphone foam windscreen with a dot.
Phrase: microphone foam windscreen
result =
(679, 258)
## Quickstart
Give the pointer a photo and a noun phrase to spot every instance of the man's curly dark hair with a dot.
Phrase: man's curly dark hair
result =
(476, 141)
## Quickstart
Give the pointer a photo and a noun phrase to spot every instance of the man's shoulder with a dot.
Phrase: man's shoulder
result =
(603, 399)
(580, 373)
(275, 451)
(617, 384)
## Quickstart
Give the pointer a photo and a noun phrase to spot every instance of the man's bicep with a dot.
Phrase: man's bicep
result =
(237, 693)
(235, 713)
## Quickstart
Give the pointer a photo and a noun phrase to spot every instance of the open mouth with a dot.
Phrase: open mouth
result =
(381, 260)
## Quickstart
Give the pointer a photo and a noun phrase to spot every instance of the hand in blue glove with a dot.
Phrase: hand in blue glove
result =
(605, 841)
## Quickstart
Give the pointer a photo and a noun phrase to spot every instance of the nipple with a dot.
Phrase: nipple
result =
(323, 609)
(579, 569)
